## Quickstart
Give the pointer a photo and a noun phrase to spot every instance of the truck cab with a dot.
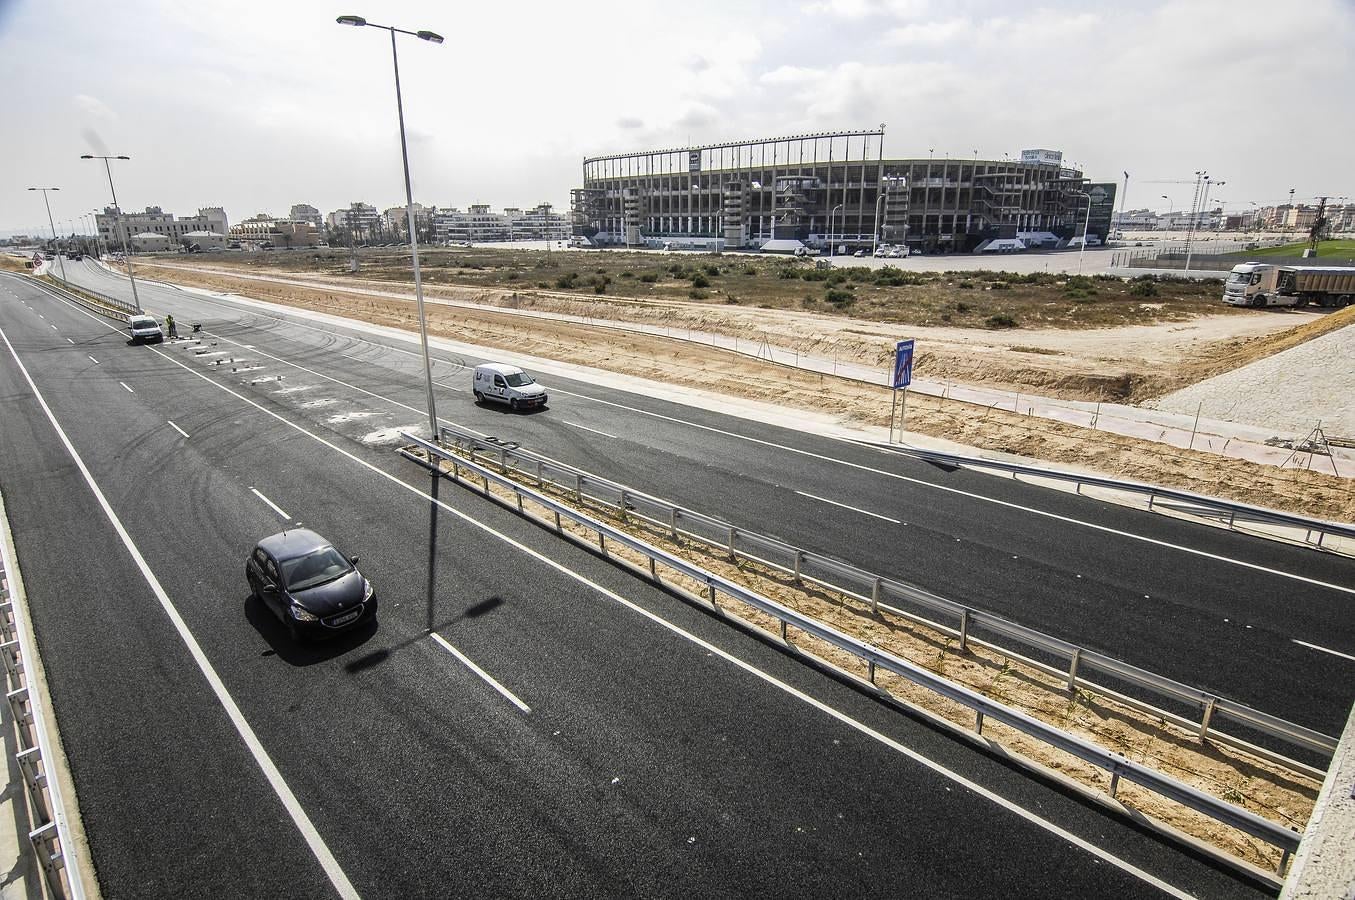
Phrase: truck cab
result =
(1251, 284)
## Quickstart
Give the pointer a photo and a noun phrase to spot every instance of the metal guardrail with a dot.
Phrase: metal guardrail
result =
(51, 839)
(984, 709)
(1078, 664)
(94, 301)
(1233, 509)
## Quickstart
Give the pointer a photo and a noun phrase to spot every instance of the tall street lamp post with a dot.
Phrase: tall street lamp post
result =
(1085, 225)
(126, 252)
(359, 22)
(60, 260)
(832, 251)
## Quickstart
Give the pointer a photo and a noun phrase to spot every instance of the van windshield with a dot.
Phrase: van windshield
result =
(1239, 278)
(518, 379)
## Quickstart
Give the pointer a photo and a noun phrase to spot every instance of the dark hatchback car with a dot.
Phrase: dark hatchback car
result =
(311, 587)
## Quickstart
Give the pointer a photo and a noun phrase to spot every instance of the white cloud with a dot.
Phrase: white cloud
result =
(928, 32)
(93, 107)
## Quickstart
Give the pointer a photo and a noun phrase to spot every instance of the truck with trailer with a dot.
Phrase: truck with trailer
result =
(1265, 284)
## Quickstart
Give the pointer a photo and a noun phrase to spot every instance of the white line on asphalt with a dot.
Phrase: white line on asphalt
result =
(124, 384)
(69, 341)
(586, 428)
(177, 428)
(275, 507)
(951, 490)
(443, 384)
(298, 815)
(488, 679)
(1323, 649)
(995, 798)
(54, 328)
(92, 359)
(845, 506)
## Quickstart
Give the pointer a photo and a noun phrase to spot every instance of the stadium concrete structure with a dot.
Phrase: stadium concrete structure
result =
(831, 186)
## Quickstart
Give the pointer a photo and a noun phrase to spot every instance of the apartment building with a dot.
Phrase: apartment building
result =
(479, 223)
(113, 225)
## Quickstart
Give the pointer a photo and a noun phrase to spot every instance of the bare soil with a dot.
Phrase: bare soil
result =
(853, 403)
(1080, 339)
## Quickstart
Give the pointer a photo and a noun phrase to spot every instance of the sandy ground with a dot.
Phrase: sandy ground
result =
(1299, 387)
(659, 359)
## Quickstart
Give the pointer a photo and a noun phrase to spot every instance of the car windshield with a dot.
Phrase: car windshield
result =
(143, 323)
(315, 568)
(518, 379)
(1239, 278)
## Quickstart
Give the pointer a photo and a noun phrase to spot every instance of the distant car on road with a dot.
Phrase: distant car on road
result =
(507, 384)
(144, 329)
(313, 589)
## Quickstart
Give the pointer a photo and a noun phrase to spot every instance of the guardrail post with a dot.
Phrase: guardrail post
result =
(1072, 669)
(870, 670)
(503, 461)
(672, 522)
(602, 543)
(652, 574)
(539, 482)
(623, 506)
(978, 721)
(1204, 719)
(730, 544)
(518, 495)
(799, 559)
(1152, 495)
(1114, 782)
(710, 589)
(785, 638)
(964, 630)
(875, 595)
(578, 488)
(1232, 516)
(557, 519)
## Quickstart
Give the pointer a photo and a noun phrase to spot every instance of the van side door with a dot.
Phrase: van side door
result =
(500, 387)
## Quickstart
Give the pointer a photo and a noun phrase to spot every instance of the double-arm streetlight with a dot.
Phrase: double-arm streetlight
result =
(126, 253)
(359, 21)
(55, 247)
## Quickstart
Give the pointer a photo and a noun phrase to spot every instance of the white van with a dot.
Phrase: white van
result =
(507, 384)
(144, 329)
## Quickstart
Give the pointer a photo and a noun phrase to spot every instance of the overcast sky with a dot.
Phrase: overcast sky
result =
(255, 107)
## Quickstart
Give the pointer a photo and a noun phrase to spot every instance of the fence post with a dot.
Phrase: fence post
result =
(1204, 719)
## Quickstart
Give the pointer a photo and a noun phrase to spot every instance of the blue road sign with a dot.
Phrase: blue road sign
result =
(903, 364)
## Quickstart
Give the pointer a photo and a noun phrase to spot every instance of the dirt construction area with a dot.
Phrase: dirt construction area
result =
(851, 403)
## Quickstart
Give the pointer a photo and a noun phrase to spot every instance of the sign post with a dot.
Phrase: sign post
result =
(901, 377)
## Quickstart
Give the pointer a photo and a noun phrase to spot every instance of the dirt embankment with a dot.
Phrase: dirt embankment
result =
(1130, 349)
(853, 403)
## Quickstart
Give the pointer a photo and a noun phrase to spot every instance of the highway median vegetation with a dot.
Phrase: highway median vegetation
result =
(1276, 792)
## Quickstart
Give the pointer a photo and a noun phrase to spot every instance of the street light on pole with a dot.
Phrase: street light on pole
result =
(60, 260)
(126, 253)
(875, 238)
(359, 22)
(1085, 225)
(833, 212)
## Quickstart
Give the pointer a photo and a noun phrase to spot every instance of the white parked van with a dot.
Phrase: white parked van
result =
(507, 384)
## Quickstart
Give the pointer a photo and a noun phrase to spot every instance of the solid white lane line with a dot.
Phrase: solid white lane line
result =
(177, 428)
(1323, 649)
(54, 328)
(298, 815)
(92, 359)
(586, 428)
(69, 341)
(997, 799)
(274, 506)
(488, 679)
(124, 384)
(864, 512)
(1104, 529)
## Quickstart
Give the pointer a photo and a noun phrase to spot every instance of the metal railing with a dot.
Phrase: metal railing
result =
(51, 839)
(984, 709)
(1076, 665)
(1216, 507)
(94, 301)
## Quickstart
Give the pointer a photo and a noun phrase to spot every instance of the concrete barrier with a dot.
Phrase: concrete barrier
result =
(1324, 867)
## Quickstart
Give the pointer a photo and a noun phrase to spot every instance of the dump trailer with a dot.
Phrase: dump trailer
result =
(1265, 284)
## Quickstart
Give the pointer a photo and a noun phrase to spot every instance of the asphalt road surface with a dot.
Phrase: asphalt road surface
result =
(609, 740)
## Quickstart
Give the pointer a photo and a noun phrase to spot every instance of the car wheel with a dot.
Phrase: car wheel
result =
(513, 404)
(479, 397)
